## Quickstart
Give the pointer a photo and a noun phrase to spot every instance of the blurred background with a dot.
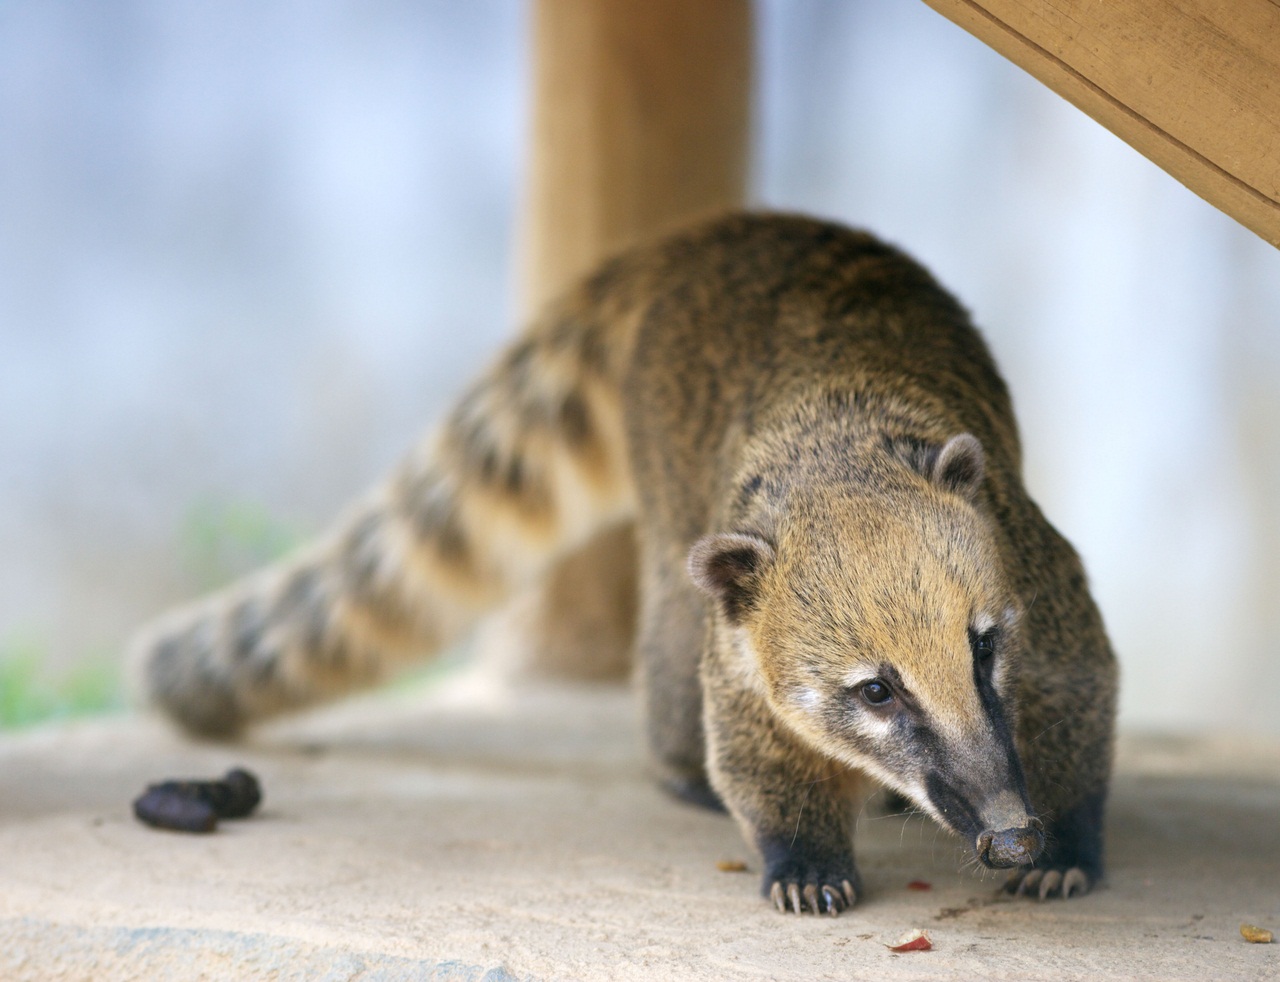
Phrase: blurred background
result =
(248, 252)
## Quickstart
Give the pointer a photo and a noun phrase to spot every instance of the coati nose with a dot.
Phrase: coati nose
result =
(1010, 847)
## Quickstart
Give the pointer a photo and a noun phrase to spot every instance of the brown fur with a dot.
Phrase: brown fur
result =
(806, 430)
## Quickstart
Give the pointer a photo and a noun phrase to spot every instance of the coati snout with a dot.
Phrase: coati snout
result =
(1010, 847)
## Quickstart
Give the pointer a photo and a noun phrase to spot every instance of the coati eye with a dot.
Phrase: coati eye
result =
(984, 645)
(876, 692)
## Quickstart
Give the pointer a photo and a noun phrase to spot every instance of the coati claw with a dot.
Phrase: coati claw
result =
(819, 898)
(835, 903)
(1049, 883)
(1042, 884)
(829, 901)
(793, 894)
(1076, 882)
(1029, 882)
(811, 898)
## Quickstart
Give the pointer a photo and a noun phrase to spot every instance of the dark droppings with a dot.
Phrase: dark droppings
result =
(235, 796)
(163, 808)
(196, 806)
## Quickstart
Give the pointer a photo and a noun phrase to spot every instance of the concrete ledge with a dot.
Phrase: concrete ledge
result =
(485, 834)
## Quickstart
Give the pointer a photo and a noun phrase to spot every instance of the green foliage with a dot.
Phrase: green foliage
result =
(28, 695)
(218, 542)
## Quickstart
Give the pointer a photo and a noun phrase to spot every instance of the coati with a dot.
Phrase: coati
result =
(841, 571)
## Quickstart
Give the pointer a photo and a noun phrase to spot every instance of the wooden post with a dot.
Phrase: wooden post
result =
(641, 122)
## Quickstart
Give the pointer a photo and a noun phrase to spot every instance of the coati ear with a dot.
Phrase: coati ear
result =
(960, 465)
(728, 566)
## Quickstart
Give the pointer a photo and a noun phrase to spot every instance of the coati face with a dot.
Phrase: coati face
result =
(880, 628)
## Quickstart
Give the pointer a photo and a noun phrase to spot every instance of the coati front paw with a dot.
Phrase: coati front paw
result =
(822, 888)
(1041, 883)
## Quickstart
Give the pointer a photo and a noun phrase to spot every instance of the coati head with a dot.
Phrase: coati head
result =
(875, 618)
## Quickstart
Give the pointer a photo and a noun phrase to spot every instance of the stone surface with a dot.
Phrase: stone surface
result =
(479, 833)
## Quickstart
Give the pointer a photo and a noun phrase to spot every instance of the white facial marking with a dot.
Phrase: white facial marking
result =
(805, 697)
(983, 623)
(858, 678)
(872, 726)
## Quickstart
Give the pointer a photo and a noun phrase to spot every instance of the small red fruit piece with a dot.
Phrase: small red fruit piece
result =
(916, 940)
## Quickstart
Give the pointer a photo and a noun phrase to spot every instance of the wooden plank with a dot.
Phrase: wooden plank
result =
(1194, 85)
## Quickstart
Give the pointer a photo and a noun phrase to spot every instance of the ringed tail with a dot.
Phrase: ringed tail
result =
(530, 464)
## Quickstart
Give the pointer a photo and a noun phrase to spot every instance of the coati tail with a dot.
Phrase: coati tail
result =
(531, 463)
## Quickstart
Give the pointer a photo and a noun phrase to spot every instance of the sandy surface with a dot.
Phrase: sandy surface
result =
(478, 833)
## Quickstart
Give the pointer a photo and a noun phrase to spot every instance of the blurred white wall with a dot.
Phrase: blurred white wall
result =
(248, 251)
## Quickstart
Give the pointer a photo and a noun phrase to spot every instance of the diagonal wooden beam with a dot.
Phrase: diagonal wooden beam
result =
(1194, 85)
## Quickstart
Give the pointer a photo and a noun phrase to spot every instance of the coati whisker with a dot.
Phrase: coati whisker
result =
(1046, 730)
(800, 811)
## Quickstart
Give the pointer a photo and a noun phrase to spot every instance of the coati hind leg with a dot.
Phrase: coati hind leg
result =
(670, 636)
